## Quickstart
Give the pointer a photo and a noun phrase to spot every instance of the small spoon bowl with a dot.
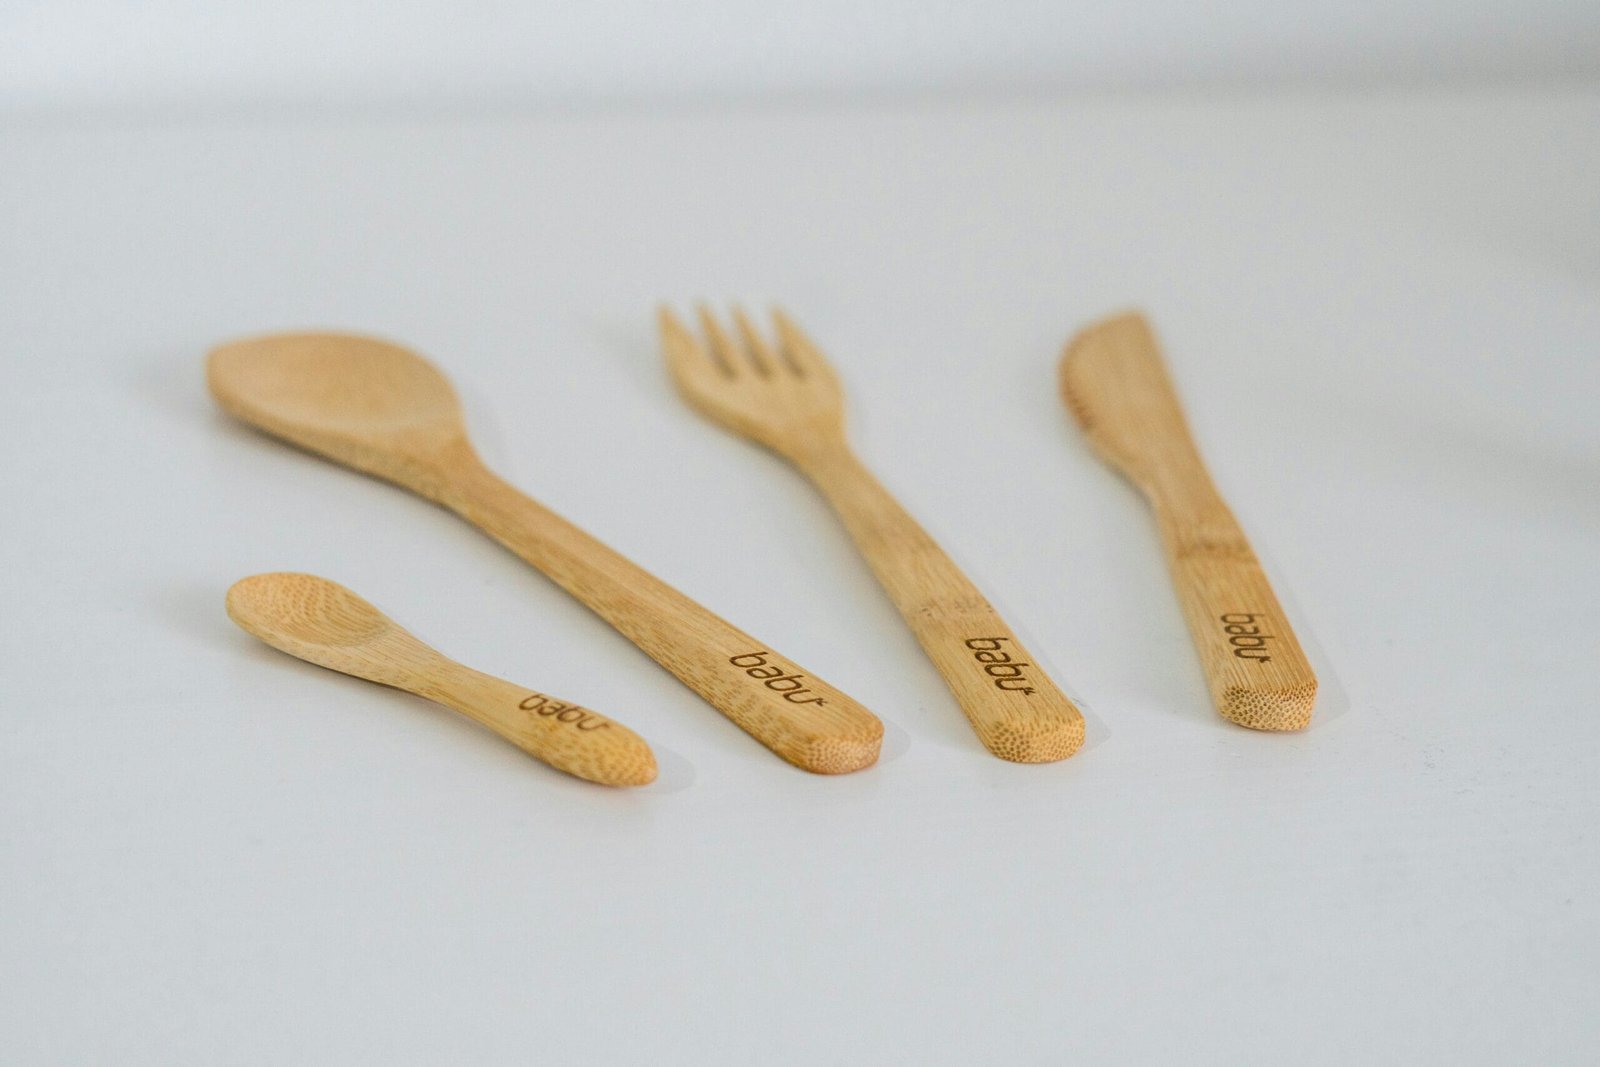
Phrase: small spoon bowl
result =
(306, 609)
(324, 623)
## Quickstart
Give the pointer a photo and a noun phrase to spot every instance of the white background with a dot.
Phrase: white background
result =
(184, 56)
(1380, 307)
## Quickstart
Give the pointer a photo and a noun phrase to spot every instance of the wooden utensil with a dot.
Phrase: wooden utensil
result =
(386, 411)
(785, 396)
(324, 623)
(1116, 386)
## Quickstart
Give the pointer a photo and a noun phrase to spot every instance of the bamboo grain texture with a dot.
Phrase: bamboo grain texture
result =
(785, 396)
(322, 622)
(384, 410)
(1115, 384)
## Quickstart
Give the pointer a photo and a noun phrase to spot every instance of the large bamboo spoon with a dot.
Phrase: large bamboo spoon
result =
(1115, 384)
(386, 411)
(785, 396)
(324, 623)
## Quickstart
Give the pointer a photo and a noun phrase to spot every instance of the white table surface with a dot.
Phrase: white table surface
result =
(1382, 312)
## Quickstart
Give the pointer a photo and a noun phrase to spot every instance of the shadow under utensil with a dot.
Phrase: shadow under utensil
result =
(896, 742)
(1333, 700)
(674, 774)
(635, 341)
(198, 612)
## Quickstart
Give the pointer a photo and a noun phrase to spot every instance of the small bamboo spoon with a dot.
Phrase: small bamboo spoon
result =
(1116, 386)
(388, 412)
(324, 623)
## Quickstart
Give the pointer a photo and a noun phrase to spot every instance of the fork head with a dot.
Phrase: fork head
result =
(782, 395)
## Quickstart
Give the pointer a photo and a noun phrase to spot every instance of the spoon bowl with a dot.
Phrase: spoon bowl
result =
(305, 609)
(324, 623)
(365, 402)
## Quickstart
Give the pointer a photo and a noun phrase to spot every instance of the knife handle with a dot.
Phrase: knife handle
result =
(1254, 666)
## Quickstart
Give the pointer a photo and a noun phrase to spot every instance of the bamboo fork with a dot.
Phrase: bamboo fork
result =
(1115, 384)
(324, 623)
(785, 396)
(388, 412)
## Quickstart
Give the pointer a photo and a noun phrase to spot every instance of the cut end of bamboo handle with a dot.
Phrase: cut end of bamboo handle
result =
(1287, 708)
(638, 768)
(626, 761)
(1033, 741)
(836, 755)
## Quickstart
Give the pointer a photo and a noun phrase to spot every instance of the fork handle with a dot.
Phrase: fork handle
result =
(795, 714)
(1017, 711)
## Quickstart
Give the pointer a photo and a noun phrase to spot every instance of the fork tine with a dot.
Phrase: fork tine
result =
(686, 359)
(760, 352)
(722, 349)
(806, 358)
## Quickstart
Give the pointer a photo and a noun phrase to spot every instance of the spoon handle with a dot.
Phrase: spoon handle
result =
(568, 737)
(795, 714)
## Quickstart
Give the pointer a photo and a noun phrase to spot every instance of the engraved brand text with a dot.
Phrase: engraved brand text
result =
(792, 686)
(1245, 636)
(997, 664)
(582, 718)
